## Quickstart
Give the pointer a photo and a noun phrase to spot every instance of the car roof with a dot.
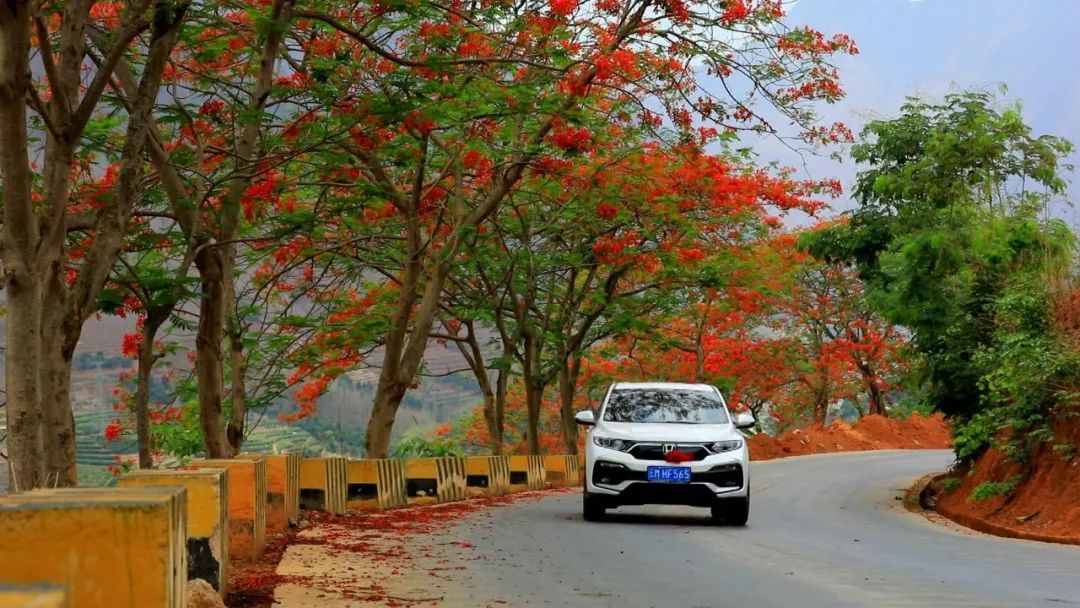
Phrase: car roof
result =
(665, 386)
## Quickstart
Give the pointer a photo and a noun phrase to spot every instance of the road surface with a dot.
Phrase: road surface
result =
(825, 531)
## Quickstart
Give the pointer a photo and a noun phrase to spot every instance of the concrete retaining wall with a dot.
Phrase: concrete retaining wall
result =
(247, 504)
(324, 484)
(527, 473)
(112, 547)
(435, 479)
(487, 475)
(562, 470)
(207, 517)
(282, 490)
(376, 484)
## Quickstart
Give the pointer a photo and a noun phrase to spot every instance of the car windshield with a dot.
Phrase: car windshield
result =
(654, 405)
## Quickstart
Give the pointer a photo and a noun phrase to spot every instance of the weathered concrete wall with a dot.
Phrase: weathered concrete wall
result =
(527, 473)
(376, 484)
(247, 504)
(207, 521)
(487, 475)
(324, 484)
(112, 547)
(282, 490)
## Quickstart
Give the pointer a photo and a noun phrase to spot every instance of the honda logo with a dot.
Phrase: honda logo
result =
(668, 448)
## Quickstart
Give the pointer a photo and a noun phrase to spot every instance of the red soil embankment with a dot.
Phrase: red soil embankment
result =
(868, 433)
(1045, 505)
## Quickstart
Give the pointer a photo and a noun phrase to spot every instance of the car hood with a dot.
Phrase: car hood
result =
(682, 433)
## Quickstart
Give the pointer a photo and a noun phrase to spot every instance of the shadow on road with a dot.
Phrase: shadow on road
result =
(681, 518)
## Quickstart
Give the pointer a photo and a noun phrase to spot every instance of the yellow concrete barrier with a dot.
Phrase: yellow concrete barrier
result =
(112, 547)
(34, 596)
(582, 472)
(375, 484)
(435, 479)
(324, 484)
(487, 475)
(247, 504)
(282, 490)
(527, 473)
(207, 517)
(561, 470)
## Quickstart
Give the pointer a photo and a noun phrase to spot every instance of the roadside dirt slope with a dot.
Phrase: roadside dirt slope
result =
(1045, 505)
(869, 433)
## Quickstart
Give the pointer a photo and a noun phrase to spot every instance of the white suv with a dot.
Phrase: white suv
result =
(666, 443)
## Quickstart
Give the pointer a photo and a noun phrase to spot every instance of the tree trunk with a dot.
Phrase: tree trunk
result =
(219, 263)
(58, 423)
(877, 400)
(208, 358)
(391, 390)
(534, 398)
(237, 362)
(821, 404)
(22, 287)
(405, 348)
(154, 320)
(474, 355)
(534, 386)
(24, 413)
(501, 386)
(489, 419)
(387, 399)
(238, 365)
(876, 403)
(568, 377)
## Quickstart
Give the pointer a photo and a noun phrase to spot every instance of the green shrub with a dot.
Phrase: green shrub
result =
(972, 437)
(950, 484)
(990, 489)
(417, 446)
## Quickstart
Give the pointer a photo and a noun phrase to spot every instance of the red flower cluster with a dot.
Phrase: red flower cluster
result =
(734, 10)
(606, 211)
(130, 346)
(563, 8)
(113, 431)
(571, 139)
(212, 107)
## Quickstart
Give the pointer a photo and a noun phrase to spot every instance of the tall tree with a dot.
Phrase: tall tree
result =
(49, 294)
(949, 211)
(442, 135)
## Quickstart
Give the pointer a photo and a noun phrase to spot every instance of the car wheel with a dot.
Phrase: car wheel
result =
(593, 508)
(732, 511)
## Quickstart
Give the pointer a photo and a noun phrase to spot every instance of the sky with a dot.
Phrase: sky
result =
(933, 46)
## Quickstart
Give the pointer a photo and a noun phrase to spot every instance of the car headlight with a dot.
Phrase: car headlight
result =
(621, 445)
(726, 446)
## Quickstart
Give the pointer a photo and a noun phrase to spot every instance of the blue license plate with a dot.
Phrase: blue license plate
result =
(668, 474)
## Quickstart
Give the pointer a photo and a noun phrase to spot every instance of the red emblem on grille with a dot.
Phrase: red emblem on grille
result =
(678, 456)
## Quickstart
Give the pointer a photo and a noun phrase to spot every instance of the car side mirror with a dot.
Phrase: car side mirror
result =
(745, 420)
(585, 418)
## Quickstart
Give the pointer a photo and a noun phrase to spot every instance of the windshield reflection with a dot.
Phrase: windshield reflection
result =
(665, 406)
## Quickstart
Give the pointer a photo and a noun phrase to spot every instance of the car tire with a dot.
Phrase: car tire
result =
(732, 511)
(593, 508)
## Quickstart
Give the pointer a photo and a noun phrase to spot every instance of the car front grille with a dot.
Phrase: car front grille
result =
(721, 475)
(655, 451)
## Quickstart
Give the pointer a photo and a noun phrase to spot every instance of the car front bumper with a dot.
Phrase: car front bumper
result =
(622, 478)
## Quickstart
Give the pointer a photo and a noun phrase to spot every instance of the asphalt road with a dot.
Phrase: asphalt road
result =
(824, 531)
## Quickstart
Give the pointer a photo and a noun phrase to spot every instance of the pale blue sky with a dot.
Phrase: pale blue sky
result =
(928, 46)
